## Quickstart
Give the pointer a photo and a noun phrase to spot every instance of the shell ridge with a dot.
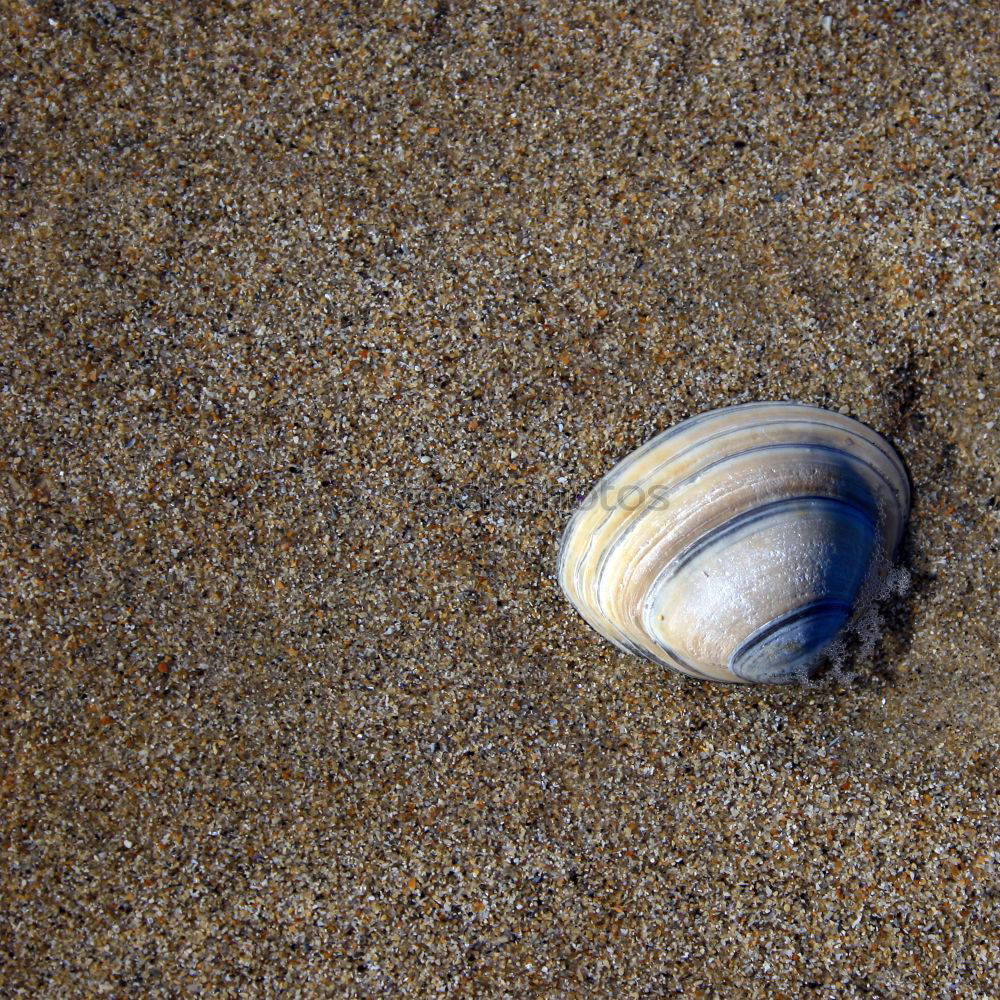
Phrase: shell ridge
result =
(632, 524)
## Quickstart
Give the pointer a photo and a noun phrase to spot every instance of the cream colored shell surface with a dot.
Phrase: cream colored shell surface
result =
(734, 546)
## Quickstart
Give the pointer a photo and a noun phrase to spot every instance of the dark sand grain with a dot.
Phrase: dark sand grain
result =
(317, 321)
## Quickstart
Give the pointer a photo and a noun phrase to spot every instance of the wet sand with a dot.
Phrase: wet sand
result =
(316, 326)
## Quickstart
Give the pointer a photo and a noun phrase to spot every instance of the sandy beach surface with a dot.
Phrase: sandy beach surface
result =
(317, 322)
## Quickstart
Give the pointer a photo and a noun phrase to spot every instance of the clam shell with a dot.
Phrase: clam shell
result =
(734, 546)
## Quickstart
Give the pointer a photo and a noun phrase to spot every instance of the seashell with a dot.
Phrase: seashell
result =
(736, 545)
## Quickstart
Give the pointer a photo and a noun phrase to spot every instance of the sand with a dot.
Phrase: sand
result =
(317, 322)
